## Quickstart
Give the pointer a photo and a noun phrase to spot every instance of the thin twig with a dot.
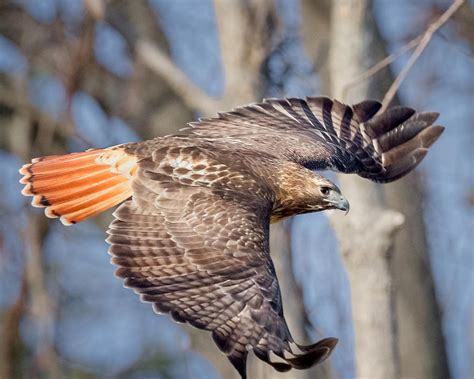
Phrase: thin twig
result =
(426, 38)
(380, 65)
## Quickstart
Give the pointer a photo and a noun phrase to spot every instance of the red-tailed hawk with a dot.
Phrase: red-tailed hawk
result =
(191, 234)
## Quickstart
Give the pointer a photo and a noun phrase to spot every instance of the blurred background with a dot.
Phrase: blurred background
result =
(80, 74)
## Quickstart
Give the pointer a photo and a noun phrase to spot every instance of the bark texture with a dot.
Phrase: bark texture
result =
(366, 234)
(420, 338)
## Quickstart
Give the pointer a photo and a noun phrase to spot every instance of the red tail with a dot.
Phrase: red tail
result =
(79, 185)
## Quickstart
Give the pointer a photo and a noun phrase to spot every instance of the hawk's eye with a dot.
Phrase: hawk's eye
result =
(325, 191)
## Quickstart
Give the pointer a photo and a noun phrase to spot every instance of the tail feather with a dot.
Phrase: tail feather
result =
(98, 206)
(64, 179)
(77, 186)
(79, 191)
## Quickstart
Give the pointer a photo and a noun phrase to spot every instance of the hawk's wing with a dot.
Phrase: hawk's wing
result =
(202, 256)
(320, 133)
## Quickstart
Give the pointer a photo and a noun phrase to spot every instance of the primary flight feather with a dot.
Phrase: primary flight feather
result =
(192, 233)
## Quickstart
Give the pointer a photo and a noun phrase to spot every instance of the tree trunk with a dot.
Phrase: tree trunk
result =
(366, 235)
(420, 345)
(420, 337)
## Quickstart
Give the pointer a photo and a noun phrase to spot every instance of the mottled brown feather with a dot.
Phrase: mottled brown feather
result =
(200, 253)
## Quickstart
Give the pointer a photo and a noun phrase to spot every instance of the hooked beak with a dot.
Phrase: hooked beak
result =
(343, 204)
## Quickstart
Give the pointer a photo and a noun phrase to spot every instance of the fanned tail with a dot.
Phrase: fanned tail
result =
(77, 186)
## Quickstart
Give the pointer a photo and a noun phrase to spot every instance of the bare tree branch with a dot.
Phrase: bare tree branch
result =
(380, 65)
(424, 41)
(162, 65)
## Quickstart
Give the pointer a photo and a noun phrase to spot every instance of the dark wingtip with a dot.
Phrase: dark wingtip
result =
(428, 117)
(419, 154)
(432, 134)
(329, 342)
(280, 366)
(314, 354)
(222, 342)
(240, 364)
(404, 137)
(367, 109)
(388, 120)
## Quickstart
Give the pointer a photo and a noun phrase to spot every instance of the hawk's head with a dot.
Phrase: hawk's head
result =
(304, 191)
(328, 196)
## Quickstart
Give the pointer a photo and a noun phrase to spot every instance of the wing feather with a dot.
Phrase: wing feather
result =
(202, 256)
(321, 133)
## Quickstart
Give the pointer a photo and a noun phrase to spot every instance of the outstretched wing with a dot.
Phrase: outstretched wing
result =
(320, 133)
(202, 255)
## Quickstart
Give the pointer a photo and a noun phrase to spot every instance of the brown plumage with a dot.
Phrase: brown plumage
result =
(193, 239)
